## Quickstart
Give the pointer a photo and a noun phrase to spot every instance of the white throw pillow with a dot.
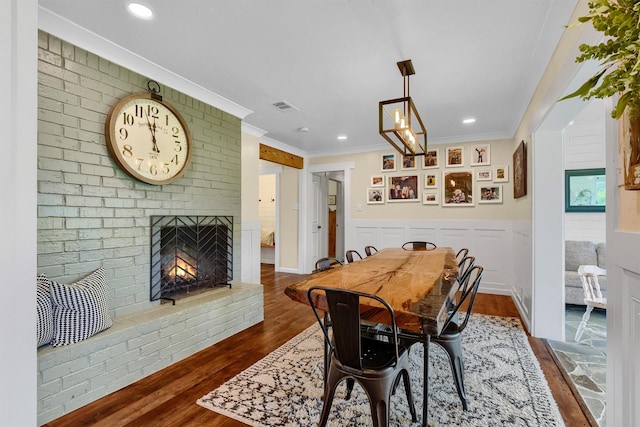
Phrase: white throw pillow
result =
(44, 310)
(80, 310)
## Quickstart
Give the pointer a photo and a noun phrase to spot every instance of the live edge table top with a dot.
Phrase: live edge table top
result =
(416, 284)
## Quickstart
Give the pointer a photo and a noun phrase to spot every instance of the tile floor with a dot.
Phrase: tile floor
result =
(586, 361)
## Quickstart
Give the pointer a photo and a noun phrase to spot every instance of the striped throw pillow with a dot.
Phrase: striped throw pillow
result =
(44, 310)
(80, 310)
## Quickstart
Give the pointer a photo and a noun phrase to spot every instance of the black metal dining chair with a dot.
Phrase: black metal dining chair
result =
(375, 364)
(370, 250)
(350, 254)
(450, 337)
(326, 263)
(418, 246)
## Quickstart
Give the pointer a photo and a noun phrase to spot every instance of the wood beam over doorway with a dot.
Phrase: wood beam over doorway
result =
(281, 157)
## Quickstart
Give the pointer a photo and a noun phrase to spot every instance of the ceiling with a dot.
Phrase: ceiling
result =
(334, 60)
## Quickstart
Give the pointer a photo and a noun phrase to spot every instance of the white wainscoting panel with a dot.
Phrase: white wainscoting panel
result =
(521, 264)
(489, 241)
(250, 252)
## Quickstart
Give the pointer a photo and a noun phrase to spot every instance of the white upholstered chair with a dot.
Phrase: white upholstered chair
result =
(592, 294)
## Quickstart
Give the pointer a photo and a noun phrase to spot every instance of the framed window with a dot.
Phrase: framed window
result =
(584, 190)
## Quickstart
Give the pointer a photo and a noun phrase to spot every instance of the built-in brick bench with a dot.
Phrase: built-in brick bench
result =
(140, 344)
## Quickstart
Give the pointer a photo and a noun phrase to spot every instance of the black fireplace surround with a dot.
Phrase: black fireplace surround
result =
(190, 253)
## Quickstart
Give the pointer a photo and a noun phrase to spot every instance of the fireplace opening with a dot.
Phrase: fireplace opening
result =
(190, 254)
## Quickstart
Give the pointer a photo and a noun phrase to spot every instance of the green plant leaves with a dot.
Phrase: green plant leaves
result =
(619, 22)
(583, 91)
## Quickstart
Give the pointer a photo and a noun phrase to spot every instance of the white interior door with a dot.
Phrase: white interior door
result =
(315, 219)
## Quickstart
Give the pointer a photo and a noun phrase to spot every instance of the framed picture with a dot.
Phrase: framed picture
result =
(408, 163)
(520, 171)
(332, 199)
(402, 188)
(388, 163)
(375, 196)
(377, 181)
(501, 173)
(490, 193)
(584, 190)
(430, 180)
(484, 175)
(457, 188)
(431, 159)
(430, 198)
(481, 155)
(454, 157)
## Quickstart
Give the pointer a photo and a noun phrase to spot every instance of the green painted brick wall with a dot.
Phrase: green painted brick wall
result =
(90, 213)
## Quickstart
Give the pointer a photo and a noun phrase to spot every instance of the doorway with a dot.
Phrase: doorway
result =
(320, 181)
(328, 215)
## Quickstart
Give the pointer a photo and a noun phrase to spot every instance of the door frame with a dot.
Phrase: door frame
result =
(306, 206)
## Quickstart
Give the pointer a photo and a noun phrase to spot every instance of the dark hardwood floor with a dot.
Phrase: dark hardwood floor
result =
(167, 398)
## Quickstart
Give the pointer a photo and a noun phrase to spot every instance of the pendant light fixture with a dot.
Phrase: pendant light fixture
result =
(399, 121)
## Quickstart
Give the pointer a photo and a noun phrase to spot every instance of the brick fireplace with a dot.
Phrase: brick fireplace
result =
(190, 254)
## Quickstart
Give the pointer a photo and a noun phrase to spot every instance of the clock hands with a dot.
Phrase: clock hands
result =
(152, 128)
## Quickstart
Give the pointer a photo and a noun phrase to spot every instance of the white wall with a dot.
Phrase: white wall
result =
(18, 223)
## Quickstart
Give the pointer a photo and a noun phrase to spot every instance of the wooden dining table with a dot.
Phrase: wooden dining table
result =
(419, 286)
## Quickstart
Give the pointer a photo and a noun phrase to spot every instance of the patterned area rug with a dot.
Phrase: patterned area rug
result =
(504, 384)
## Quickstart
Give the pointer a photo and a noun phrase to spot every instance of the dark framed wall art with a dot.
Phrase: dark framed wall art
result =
(584, 190)
(520, 171)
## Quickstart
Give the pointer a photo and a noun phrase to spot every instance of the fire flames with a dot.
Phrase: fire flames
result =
(181, 266)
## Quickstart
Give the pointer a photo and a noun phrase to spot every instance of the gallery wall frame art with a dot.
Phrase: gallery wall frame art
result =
(457, 188)
(409, 163)
(520, 171)
(403, 188)
(375, 196)
(431, 159)
(377, 181)
(481, 155)
(484, 175)
(430, 198)
(490, 193)
(388, 162)
(454, 157)
(501, 173)
(431, 180)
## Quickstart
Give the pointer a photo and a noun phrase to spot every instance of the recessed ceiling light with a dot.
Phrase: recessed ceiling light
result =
(342, 137)
(469, 120)
(140, 11)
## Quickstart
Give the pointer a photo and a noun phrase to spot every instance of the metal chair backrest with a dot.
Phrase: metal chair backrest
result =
(344, 311)
(468, 289)
(465, 266)
(325, 263)
(350, 255)
(418, 246)
(462, 253)
(370, 250)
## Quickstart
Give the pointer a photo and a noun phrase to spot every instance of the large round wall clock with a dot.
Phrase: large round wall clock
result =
(148, 138)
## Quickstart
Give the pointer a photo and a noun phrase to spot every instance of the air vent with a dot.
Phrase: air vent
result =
(283, 106)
